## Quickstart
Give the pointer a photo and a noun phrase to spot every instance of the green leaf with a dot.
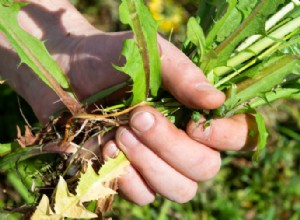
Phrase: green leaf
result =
(229, 20)
(219, 24)
(262, 48)
(269, 97)
(196, 35)
(210, 11)
(134, 68)
(33, 53)
(292, 47)
(6, 148)
(28, 47)
(11, 3)
(262, 135)
(253, 24)
(269, 75)
(144, 27)
(234, 17)
(9, 160)
(196, 116)
(14, 178)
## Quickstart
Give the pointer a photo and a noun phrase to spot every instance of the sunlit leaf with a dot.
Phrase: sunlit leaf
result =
(33, 53)
(43, 211)
(271, 74)
(253, 24)
(134, 68)
(90, 187)
(68, 205)
(144, 27)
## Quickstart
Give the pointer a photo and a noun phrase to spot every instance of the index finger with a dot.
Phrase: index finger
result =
(185, 81)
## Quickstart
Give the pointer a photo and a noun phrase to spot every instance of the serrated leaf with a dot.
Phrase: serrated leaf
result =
(235, 13)
(234, 18)
(113, 168)
(219, 24)
(28, 46)
(43, 211)
(33, 53)
(90, 187)
(68, 205)
(144, 27)
(253, 24)
(134, 68)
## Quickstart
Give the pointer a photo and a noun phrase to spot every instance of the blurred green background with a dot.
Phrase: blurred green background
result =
(266, 190)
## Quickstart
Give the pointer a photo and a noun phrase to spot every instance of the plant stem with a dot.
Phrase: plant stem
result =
(101, 117)
(141, 41)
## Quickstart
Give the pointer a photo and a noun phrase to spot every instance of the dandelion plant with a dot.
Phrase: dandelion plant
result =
(250, 51)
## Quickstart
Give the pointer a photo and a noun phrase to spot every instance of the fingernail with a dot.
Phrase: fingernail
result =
(201, 132)
(111, 151)
(206, 132)
(206, 87)
(127, 139)
(142, 121)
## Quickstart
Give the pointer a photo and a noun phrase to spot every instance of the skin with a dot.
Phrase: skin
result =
(164, 159)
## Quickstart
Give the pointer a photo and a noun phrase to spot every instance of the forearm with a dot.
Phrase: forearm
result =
(55, 22)
(43, 17)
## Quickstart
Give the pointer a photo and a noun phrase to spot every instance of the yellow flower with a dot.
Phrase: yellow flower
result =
(169, 14)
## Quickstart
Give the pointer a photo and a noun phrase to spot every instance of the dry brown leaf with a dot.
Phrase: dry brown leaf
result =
(28, 138)
(105, 205)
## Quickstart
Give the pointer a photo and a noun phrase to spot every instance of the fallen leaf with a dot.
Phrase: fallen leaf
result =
(69, 205)
(43, 211)
(91, 186)
(28, 138)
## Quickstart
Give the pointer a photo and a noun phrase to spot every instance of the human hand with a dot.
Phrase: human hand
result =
(164, 159)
